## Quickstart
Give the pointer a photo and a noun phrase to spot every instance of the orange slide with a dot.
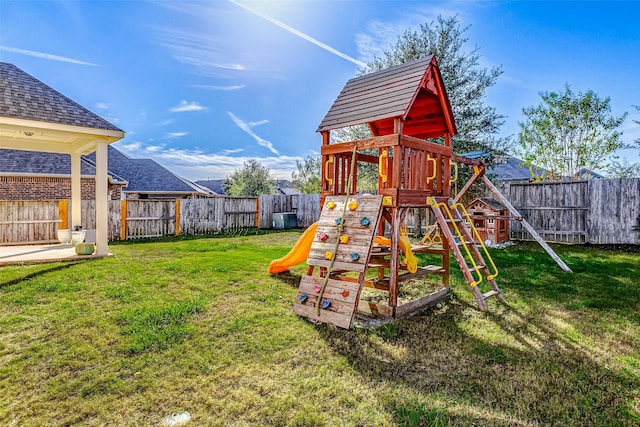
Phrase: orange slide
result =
(299, 253)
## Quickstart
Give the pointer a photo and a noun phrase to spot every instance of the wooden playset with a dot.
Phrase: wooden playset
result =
(360, 241)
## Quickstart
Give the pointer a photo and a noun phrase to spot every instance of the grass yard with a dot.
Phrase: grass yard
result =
(197, 325)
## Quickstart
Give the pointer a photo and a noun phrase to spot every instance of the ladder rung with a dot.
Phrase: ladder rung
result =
(477, 268)
(490, 294)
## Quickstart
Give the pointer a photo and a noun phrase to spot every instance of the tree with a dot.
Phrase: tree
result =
(306, 178)
(623, 169)
(570, 132)
(252, 180)
(464, 78)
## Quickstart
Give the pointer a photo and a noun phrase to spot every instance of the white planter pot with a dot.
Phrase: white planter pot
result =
(64, 236)
(77, 237)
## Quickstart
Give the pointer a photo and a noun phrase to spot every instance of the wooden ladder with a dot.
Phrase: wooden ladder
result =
(463, 239)
(333, 296)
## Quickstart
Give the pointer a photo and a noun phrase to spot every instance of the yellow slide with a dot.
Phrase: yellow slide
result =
(299, 253)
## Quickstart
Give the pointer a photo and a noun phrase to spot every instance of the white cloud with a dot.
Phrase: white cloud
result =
(177, 134)
(102, 105)
(185, 106)
(200, 51)
(247, 127)
(233, 151)
(197, 164)
(221, 88)
(48, 56)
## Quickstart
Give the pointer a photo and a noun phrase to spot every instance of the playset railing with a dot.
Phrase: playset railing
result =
(409, 169)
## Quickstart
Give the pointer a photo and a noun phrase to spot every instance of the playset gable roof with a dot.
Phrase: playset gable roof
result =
(412, 92)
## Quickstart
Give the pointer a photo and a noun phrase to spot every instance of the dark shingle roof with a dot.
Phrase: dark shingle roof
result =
(214, 185)
(147, 176)
(41, 163)
(505, 168)
(512, 169)
(22, 96)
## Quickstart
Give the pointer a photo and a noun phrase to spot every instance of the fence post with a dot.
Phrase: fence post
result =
(177, 217)
(63, 214)
(258, 212)
(123, 219)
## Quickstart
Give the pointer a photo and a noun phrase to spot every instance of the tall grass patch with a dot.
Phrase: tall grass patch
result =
(156, 328)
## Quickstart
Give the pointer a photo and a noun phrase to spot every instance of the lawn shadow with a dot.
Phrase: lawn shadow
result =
(39, 273)
(535, 375)
(289, 278)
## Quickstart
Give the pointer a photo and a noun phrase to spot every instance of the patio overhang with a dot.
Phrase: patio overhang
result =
(33, 135)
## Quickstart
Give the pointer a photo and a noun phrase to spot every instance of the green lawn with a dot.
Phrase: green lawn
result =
(197, 325)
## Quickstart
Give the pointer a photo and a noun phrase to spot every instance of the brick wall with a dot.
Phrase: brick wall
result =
(49, 188)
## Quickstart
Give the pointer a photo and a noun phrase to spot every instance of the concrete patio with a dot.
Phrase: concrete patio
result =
(36, 254)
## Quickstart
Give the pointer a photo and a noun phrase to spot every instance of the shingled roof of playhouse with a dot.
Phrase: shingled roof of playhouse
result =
(413, 92)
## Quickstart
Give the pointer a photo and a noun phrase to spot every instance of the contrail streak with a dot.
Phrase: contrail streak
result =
(300, 34)
(45, 56)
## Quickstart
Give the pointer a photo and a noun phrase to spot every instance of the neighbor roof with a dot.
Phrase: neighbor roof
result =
(147, 176)
(412, 91)
(40, 163)
(22, 96)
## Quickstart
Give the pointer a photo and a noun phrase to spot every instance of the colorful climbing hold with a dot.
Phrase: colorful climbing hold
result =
(328, 255)
(317, 289)
(353, 205)
(331, 205)
(365, 221)
(345, 293)
(354, 256)
(344, 239)
(303, 297)
(338, 221)
(323, 236)
(326, 304)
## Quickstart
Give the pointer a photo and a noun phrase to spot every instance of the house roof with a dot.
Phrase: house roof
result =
(214, 185)
(412, 91)
(40, 163)
(505, 168)
(147, 176)
(22, 96)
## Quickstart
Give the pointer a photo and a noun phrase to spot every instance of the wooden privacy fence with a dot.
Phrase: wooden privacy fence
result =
(33, 222)
(598, 211)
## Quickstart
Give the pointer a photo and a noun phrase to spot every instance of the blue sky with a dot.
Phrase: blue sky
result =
(201, 87)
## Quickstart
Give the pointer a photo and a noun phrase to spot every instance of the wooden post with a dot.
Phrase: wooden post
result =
(123, 220)
(177, 217)
(526, 225)
(257, 212)
(63, 214)
(394, 262)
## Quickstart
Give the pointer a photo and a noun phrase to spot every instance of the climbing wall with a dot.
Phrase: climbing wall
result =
(342, 246)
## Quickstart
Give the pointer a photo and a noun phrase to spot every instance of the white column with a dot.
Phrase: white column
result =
(102, 204)
(76, 191)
